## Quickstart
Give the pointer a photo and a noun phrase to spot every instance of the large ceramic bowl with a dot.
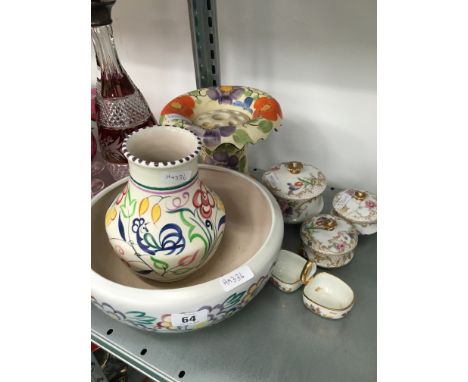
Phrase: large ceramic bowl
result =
(236, 273)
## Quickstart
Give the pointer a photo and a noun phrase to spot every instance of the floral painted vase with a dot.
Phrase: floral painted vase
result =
(165, 224)
(298, 189)
(329, 241)
(226, 118)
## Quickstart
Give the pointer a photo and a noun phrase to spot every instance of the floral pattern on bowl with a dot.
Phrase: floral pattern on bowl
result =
(163, 322)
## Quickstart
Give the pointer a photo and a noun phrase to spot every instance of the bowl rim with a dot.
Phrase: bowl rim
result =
(124, 292)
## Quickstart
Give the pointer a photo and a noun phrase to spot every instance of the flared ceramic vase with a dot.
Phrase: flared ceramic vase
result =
(227, 119)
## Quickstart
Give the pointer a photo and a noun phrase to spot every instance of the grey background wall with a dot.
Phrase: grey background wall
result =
(317, 57)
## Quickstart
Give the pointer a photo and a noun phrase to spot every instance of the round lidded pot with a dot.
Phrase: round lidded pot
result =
(298, 188)
(329, 241)
(357, 207)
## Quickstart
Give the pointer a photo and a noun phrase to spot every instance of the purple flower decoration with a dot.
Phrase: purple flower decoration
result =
(225, 94)
(224, 159)
(211, 137)
(286, 209)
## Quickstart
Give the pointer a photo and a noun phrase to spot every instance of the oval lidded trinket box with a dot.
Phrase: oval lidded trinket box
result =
(329, 241)
(357, 207)
(165, 223)
(323, 294)
(298, 189)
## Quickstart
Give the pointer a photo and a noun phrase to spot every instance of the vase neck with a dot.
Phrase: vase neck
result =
(162, 157)
(164, 179)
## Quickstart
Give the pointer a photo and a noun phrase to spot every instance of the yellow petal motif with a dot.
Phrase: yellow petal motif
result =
(219, 203)
(144, 204)
(156, 213)
(110, 215)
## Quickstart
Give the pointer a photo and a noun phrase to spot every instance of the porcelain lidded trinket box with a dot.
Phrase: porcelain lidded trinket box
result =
(298, 189)
(329, 241)
(357, 207)
(227, 119)
(165, 223)
(286, 275)
(323, 294)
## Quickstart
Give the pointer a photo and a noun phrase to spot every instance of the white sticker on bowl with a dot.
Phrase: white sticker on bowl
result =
(236, 278)
(342, 200)
(176, 176)
(183, 319)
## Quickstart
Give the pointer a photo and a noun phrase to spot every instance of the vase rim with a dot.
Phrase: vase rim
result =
(187, 156)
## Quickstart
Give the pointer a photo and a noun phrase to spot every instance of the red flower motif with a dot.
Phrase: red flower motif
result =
(370, 204)
(204, 201)
(119, 250)
(187, 260)
(267, 108)
(182, 105)
(298, 184)
(340, 246)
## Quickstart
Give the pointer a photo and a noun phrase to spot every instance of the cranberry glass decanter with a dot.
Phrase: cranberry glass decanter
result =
(120, 106)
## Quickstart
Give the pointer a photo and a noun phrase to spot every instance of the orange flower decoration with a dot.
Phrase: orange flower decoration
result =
(267, 108)
(182, 105)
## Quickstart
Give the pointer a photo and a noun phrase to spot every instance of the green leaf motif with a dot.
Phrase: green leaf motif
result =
(241, 137)
(159, 264)
(140, 317)
(181, 271)
(255, 121)
(150, 241)
(242, 164)
(247, 92)
(129, 205)
(265, 126)
(233, 299)
(192, 235)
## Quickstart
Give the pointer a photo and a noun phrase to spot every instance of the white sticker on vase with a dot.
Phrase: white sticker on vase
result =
(341, 201)
(236, 278)
(183, 319)
(176, 176)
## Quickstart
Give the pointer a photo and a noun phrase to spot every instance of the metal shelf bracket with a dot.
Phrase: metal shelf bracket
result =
(205, 46)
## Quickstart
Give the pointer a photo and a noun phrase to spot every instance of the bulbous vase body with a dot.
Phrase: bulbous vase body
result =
(165, 224)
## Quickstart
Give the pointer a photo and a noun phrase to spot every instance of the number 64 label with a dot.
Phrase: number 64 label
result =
(184, 319)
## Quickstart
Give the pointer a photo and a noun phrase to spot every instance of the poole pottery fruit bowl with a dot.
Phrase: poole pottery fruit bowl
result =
(237, 272)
